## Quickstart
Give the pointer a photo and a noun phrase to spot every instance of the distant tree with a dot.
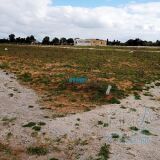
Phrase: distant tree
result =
(157, 43)
(107, 42)
(11, 38)
(18, 40)
(46, 40)
(63, 41)
(22, 40)
(136, 42)
(70, 41)
(30, 39)
(115, 42)
(4, 40)
(55, 41)
(150, 43)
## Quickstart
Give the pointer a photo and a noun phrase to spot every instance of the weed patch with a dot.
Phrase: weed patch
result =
(157, 84)
(146, 132)
(104, 152)
(26, 77)
(5, 149)
(137, 96)
(37, 151)
(37, 128)
(115, 135)
(4, 65)
(30, 124)
(133, 128)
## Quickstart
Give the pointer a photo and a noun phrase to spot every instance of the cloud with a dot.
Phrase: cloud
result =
(41, 17)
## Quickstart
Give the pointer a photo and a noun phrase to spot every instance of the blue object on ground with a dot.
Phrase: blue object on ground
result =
(79, 80)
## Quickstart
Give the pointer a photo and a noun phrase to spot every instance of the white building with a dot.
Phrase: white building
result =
(90, 42)
(82, 42)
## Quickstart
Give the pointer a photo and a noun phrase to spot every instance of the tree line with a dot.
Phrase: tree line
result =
(70, 41)
(134, 42)
(32, 40)
(56, 41)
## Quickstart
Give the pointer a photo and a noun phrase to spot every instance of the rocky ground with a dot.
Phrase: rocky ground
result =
(28, 131)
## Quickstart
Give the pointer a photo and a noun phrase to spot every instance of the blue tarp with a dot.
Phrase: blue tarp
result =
(79, 80)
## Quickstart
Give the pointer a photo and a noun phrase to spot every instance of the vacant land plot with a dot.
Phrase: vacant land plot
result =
(48, 69)
(30, 130)
(128, 131)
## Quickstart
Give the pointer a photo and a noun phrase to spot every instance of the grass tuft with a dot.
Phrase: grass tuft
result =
(4, 65)
(37, 151)
(115, 135)
(37, 128)
(26, 77)
(146, 132)
(133, 128)
(30, 124)
(104, 152)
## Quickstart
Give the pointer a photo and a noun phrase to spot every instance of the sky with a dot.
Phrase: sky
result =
(96, 3)
(104, 19)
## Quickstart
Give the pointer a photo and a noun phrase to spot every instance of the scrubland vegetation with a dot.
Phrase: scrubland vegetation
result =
(47, 70)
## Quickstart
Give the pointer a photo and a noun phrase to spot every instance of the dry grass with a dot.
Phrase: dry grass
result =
(47, 70)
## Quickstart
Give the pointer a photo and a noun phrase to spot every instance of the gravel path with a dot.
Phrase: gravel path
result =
(78, 136)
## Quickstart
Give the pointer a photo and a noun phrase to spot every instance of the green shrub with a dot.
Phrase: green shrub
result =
(134, 128)
(157, 84)
(137, 96)
(26, 77)
(100, 123)
(137, 88)
(114, 101)
(146, 132)
(37, 151)
(30, 124)
(98, 90)
(115, 135)
(4, 65)
(105, 125)
(62, 86)
(104, 152)
(44, 79)
(37, 128)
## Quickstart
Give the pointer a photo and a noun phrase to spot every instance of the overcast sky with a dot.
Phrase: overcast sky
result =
(122, 19)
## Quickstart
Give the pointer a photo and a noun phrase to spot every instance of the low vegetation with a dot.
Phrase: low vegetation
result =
(47, 70)
(133, 128)
(115, 135)
(146, 132)
(6, 120)
(37, 151)
(30, 124)
(104, 152)
(34, 126)
(53, 159)
(7, 153)
(100, 123)
(137, 96)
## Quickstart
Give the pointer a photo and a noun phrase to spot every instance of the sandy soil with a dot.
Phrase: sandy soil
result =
(78, 136)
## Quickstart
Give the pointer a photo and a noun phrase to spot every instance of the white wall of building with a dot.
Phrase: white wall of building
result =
(82, 42)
